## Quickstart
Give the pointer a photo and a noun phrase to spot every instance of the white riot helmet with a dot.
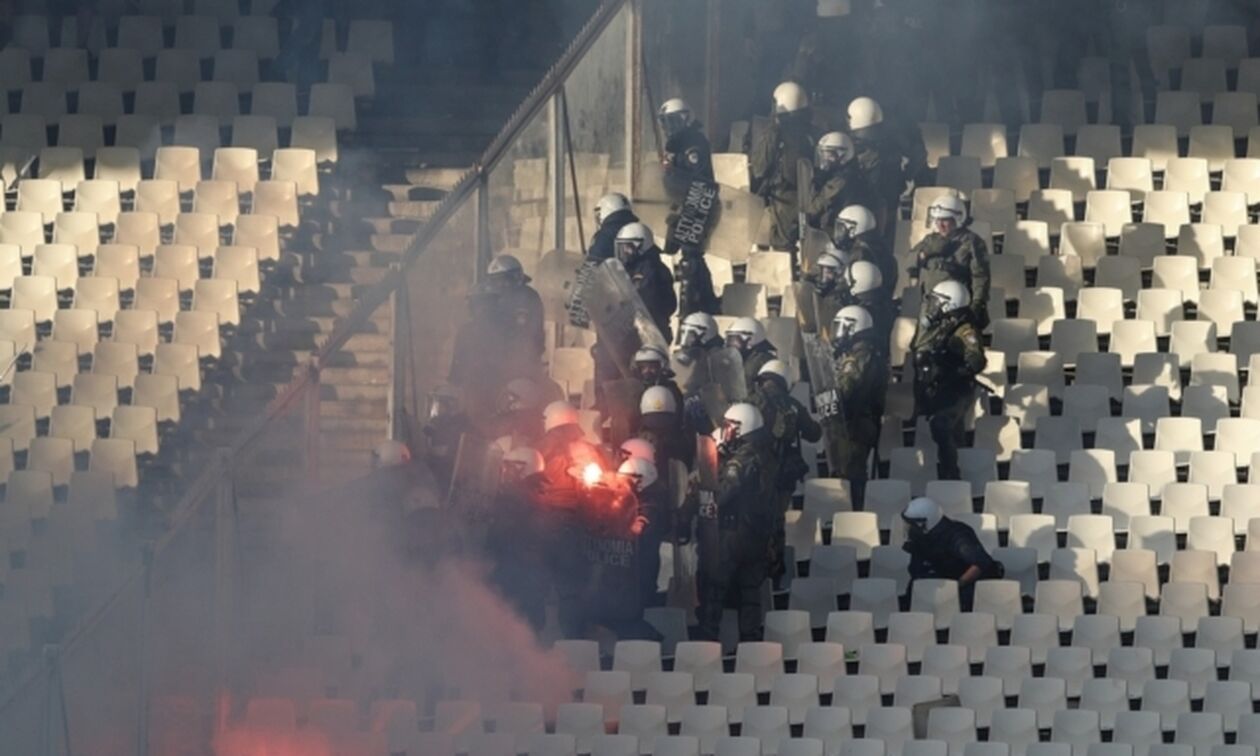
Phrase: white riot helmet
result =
(633, 240)
(639, 472)
(637, 448)
(864, 113)
(848, 323)
(774, 369)
(829, 265)
(834, 149)
(745, 333)
(390, 454)
(790, 97)
(946, 297)
(610, 203)
(851, 222)
(947, 208)
(521, 462)
(506, 267)
(921, 515)
(864, 276)
(559, 414)
(674, 116)
(657, 399)
(697, 328)
(740, 420)
(833, 8)
(646, 358)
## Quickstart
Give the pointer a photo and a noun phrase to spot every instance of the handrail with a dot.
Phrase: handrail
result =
(344, 328)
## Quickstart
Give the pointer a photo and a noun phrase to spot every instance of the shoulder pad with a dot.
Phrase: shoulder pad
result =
(693, 156)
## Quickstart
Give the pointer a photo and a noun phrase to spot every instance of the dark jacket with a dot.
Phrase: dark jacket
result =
(655, 284)
(948, 356)
(603, 243)
(949, 550)
(755, 360)
(688, 158)
(833, 191)
(962, 257)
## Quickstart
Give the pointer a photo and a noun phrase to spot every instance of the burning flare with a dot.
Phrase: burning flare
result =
(592, 474)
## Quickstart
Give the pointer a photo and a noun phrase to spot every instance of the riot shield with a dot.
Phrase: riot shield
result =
(691, 371)
(620, 318)
(822, 381)
(707, 462)
(575, 305)
(785, 334)
(621, 407)
(804, 193)
(475, 475)
(555, 280)
(726, 370)
(697, 215)
(736, 229)
(813, 243)
(806, 306)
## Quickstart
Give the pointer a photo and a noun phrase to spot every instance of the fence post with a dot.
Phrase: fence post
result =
(557, 155)
(634, 97)
(142, 647)
(225, 570)
(311, 430)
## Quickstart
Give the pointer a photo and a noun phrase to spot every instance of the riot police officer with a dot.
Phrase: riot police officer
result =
(662, 424)
(748, 335)
(888, 162)
(652, 524)
(699, 338)
(954, 252)
(504, 336)
(838, 181)
(612, 213)
(941, 548)
(863, 286)
(699, 335)
(773, 164)
(855, 236)
(518, 536)
(787, 422)
(651, 366)
(948, 356)
(735, 528)
(637, 251)
(853, 412)
(829, 285)
(688, 159)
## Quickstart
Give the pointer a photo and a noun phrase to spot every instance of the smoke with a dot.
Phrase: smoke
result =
(406, 584)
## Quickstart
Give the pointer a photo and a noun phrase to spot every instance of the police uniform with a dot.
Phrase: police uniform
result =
(880, 160)
(655, 284)
(604, 243)
(833, 191)
(688, 158)
(962, 257)
(787, 421)
(502, 340)
(755, 360)
(852, 418)
(947, 552)
(870, 248)
(774, 173)
(735, 528)
(948, 355)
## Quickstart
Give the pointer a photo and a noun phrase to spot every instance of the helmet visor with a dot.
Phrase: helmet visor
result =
(628, 249)
(672, 123)
(730, 431)
(738, 340)
(842, 232)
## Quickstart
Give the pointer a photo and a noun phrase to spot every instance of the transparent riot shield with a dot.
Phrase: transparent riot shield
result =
(555, 282)
(813, 243)
(822, 381)
(806, 306)
(475, 476)
(620, 318)
(804, 192)
(736, 229)
(727, 383)
(691, 370)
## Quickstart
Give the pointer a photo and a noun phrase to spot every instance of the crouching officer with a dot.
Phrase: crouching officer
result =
(735, 528)
(941, 548)
(852, 415)
(947, 357)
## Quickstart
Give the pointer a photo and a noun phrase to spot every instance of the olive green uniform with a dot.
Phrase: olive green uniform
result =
(961, 257)
(851, 417)
(773, 166)
(948, 355)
